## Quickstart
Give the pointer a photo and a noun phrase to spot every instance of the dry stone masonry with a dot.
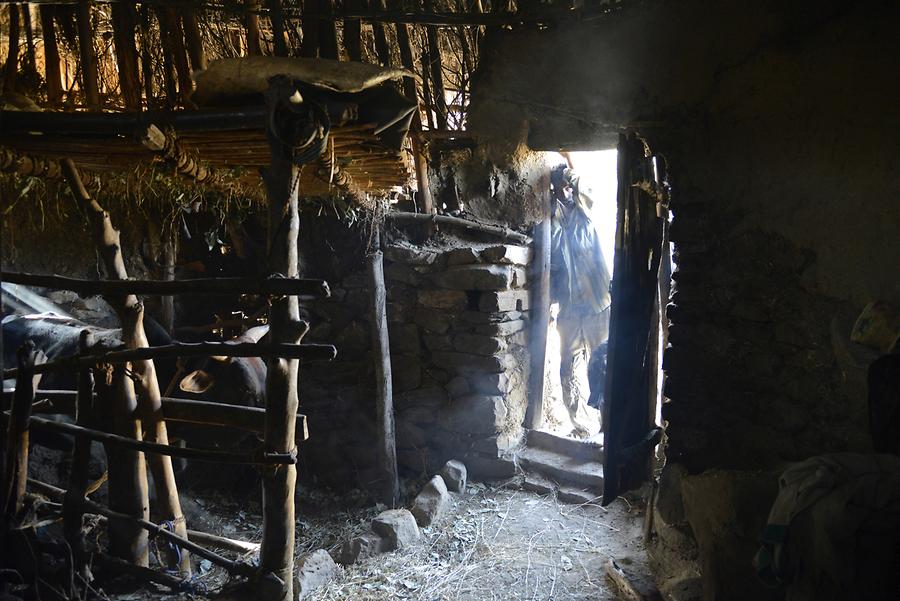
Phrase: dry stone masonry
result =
(458, 324)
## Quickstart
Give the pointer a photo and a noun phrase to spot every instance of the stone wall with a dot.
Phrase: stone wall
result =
(458, 325)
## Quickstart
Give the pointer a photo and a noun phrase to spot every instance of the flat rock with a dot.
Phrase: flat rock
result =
(399, 272)
(478, 344)
(432, 321)
(458, 387)
(443, 299)
(506, 254)
(461, 256)
(363, 546)
(476, 277)
(503, 300)
(494, 384)
(313, 571)
(432, 502)
(409, 255)
(454, 474)
(503, 328)
(398, 526)
(466, 362)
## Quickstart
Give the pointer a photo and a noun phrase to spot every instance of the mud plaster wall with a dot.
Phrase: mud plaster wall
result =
(777, 121)
(457, 319)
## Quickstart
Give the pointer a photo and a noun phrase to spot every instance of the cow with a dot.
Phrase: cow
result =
(228, 380)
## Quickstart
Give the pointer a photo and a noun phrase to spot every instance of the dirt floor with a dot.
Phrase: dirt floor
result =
(496, 543)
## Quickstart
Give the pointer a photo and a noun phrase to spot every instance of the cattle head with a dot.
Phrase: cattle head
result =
(227, 380)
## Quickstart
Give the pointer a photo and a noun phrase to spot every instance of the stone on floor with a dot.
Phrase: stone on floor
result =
(454, 475)
(363, 546)
(397, 526)
(314, 570)
(432, 502)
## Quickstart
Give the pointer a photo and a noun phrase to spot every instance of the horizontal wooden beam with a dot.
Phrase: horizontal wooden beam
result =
(305, 352)
(251, 419)
(39, 423)
(271, 286)
(466, 224)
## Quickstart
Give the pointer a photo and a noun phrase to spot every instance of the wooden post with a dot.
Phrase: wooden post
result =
(169, 253)
(540, 314)
(78, 472)
(15, 469)
(173, 42)
(382, 49)
(328, 45)
(127, 468)
(276, 16)
(30, 58)
(437, 76)
(310, 28)
(171, 88)
(91, 88)
(381, 351)
(281, 179)
(11, 68)
(426, 204)
(353, 31)
(123, 21)
(131, 313)
(251, 25)
(51, 56)
(193, 38)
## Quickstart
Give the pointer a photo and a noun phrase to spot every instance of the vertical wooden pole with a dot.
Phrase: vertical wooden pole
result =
(29, 37)
(146, 60)
(90, 88)
(124, 24)
(251, 25)
(193, 38)
(169, 253)
(381, 352)
(126, 467)
(15, 469)
(540, 314)
(51, 56)
(382, 49)
(11, 68)
(328, 45)
(131, 314)
(426, 204)
(310, 28)
(276, 16)
(173, 43)
(73, 512)
(437, 75)
(353, 31)
(281, 180)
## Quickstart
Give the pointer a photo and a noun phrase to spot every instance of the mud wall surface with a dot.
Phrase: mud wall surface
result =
(774, 119)
(457, 319)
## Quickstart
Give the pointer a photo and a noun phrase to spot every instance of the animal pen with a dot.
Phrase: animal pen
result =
(223, 96)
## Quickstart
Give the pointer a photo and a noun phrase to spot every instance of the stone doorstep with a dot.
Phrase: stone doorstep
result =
(586, 475)
(583, 450)
(566, 494)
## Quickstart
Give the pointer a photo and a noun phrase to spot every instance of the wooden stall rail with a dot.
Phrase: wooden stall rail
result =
(305, 352)
(268, 286)
(251, 419)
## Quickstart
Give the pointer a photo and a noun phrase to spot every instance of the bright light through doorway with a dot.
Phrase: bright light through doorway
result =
(598, 179)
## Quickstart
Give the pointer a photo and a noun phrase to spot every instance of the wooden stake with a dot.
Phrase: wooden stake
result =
(310, 29)
(437, 76)
(31, 61)
(384, 400)
(328, 45)
(127, 469)
(382, 49)
(281, 179)
(11, 68)
(51, 56)
(169, 255)
(193, 38)
(124, 25)
(353, 32)
(251, 26)
(90, 88)
(540, 315)
(15, 468)
(276, 16)
(78, 472)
